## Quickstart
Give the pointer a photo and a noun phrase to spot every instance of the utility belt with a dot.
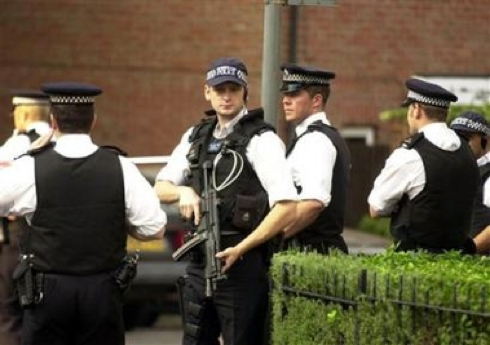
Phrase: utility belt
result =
(29, 283)
(126, 272)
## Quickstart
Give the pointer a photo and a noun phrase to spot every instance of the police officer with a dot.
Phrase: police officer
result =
(80, 200)
(428, 185)
(248, 160)
(30, 114)
(474, 128)
(321, 178)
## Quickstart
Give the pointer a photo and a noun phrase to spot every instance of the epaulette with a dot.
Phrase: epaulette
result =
(411, 141)
(38, 150)
(114, 149)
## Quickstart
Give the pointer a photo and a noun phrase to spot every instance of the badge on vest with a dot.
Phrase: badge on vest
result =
(215, 145)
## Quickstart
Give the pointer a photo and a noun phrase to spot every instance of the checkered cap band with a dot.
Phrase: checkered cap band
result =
(470, 124)
(428, 100)
(304, 79)
(61, 99)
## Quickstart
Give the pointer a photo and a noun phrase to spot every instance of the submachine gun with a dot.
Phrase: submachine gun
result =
(207, 232)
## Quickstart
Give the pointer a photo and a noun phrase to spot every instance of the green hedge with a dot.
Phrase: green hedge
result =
(393, 298)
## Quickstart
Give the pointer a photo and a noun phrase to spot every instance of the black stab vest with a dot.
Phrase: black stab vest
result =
(439, 217)
(330, 221)
(79, 223)
(481, 213)
(205, 148)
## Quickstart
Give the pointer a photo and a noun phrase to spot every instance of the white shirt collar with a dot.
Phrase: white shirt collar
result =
(303, 126)
(75, 145)
(221, 132)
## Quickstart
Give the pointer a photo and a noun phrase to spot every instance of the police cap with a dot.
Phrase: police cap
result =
(28, 97)
(228, 69)
(296, 77)
(71, 93)
(471, 122)
(428, 93)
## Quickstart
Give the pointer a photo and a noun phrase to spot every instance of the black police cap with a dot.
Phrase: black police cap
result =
(71, 93)
(28, 97)
(471, 122)
(428, 93)
(296, 77)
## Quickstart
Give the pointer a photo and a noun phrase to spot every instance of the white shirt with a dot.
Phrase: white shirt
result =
(265, 152)
(486, 186)
(17, 144)
(404, 171)
(313, 172)
(18, 188)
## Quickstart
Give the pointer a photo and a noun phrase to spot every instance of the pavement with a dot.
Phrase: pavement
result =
(359, 241)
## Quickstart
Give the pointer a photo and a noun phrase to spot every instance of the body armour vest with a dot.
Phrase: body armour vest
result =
(439, 217)
(481, 213)
(243, 200)
(79, 223)
(330, 221)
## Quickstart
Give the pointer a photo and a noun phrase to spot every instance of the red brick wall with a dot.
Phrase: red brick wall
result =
(150, 56)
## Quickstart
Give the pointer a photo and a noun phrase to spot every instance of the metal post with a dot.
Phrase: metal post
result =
(270, 60)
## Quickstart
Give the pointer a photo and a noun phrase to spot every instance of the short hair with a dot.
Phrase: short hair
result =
(323, 90)
(73, 118)
(434, 113)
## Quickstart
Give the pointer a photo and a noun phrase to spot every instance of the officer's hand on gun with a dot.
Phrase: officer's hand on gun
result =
(190, 204)
(228, 257)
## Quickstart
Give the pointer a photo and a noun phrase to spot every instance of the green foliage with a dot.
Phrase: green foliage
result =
(406, 298)
(378, 226)
(400, 114)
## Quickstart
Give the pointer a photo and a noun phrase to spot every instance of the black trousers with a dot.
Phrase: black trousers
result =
(238, 308)
(10, 311)
(76, 310)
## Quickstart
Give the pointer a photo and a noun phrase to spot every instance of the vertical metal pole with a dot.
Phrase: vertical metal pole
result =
(270, 60)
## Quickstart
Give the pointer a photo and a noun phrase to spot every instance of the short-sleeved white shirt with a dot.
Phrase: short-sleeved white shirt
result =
(312, 161)
(404, 171)
(18, 187)
(19, 144)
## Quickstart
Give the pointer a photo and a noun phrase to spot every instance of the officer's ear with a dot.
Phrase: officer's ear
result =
(207, 90)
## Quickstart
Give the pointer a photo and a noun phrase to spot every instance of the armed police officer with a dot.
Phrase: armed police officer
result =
(246, 160)
(321, 179)
(428, 185)
(474, 128)
(30, 115)
(80, 201)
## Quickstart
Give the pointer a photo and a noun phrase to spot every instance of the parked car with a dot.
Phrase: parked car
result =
(154, 291)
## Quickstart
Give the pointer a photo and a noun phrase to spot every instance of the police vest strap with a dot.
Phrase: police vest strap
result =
(315, 126)
(203, 127)
(485, 171)
(114, 149)
(411, 141)
(38, 150)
